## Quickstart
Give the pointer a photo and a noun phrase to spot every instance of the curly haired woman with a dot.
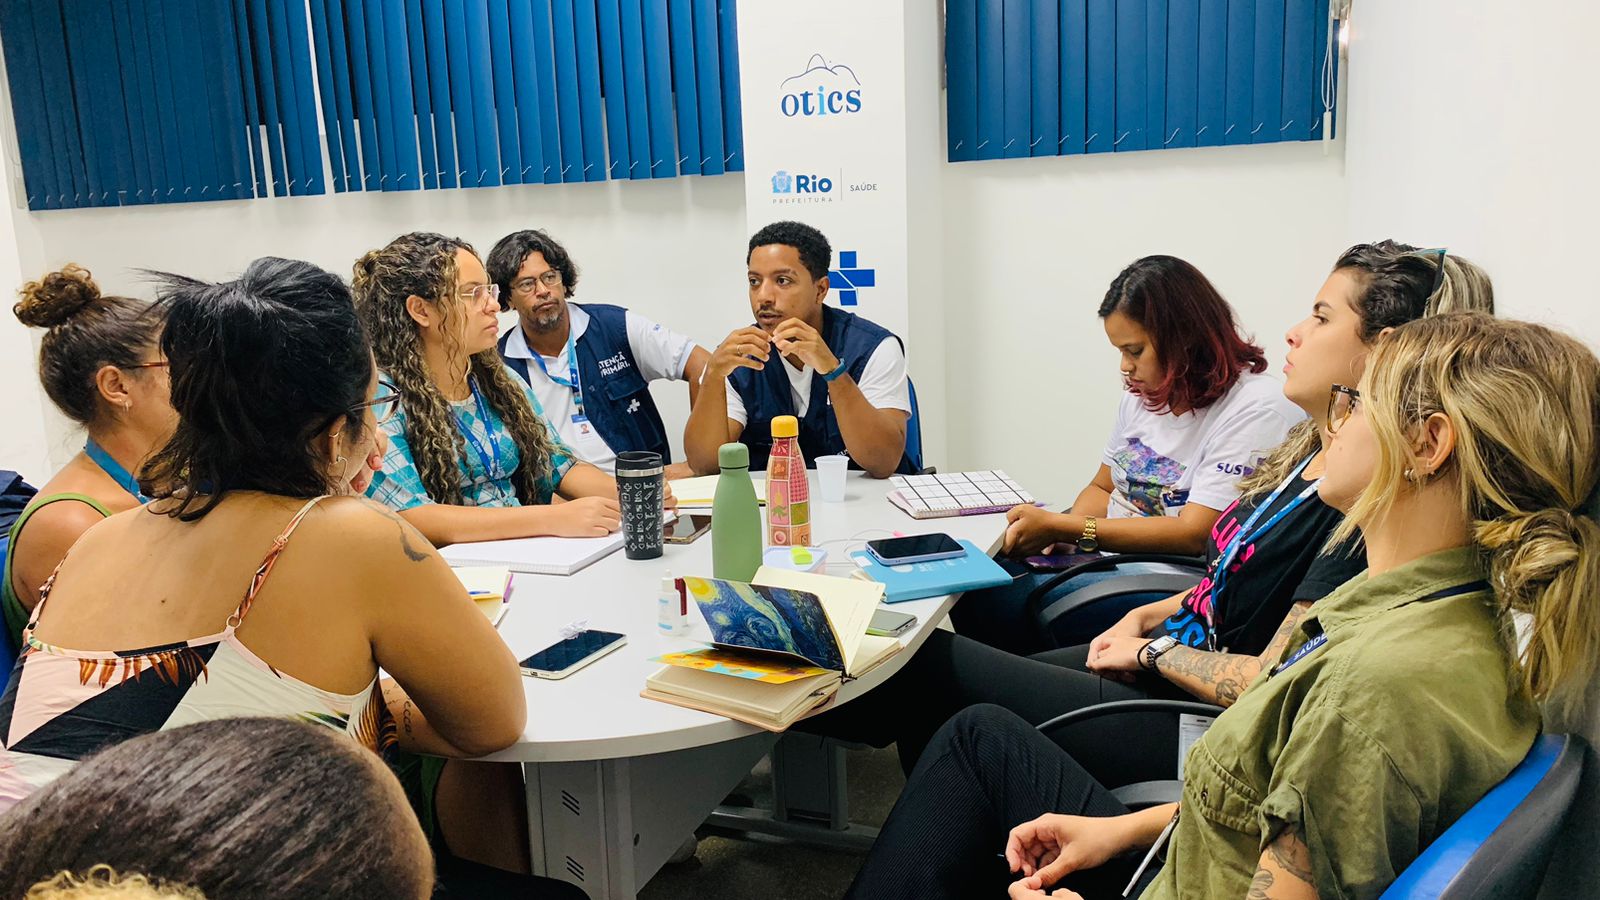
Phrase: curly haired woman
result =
(470, 457)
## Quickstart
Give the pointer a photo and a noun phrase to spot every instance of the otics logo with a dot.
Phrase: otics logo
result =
(820, 90)
(788, 188)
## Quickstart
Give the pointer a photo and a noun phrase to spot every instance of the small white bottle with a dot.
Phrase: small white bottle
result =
(669, 620)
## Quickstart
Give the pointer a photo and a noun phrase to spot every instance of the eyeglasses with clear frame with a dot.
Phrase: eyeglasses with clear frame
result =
(478, 292)
(1342, 402)
(384, 404)
(550, 278)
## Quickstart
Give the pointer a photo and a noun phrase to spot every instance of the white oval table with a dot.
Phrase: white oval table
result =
(615, 782)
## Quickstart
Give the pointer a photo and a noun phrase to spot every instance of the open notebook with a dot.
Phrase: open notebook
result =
(782, 645)
(539, 555)
(697, 493)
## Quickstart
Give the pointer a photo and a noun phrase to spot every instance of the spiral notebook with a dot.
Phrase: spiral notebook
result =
(957, 494)
(540, 555)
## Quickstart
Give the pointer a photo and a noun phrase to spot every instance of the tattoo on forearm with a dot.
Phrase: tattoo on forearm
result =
(405, 716)
(1260, 885)
(1280, 638)
(1226, 674)
(1292, 855)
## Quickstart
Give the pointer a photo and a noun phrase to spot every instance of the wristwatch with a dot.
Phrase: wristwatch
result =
(1087, 541)
(1149, 653)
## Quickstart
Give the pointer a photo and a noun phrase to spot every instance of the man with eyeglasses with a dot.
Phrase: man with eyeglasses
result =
(590, 365)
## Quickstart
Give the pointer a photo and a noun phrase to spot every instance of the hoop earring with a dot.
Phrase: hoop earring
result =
(339, 459)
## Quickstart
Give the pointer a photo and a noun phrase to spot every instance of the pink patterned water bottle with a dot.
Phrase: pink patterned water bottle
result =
(788, 491)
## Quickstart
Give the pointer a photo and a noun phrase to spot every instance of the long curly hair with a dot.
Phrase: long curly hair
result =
(424, 264)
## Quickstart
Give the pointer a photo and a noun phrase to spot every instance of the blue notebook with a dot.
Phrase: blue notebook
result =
(936, 578)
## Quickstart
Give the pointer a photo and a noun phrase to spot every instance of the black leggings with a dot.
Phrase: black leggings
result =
(951, 672)
(985, 772)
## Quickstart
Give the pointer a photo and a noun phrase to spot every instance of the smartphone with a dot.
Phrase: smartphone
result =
(687, 529)
(1059, 562)
(888, 623)
(914, 549)
(562, 659)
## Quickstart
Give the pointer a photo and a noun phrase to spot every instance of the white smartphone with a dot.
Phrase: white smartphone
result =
(562, 659)
(914, 549)
(888, 623)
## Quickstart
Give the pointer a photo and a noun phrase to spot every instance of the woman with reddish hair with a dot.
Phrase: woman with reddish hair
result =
(1197, 418)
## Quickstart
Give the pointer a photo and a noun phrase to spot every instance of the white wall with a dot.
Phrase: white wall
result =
(22, 435)
(1030, 247)
(1470, 127)
(672, 249)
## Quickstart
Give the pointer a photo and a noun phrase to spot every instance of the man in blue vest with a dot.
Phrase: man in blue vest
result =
(590, 366)
(841, 375)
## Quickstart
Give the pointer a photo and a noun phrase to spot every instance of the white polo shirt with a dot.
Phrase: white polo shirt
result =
(660, 353)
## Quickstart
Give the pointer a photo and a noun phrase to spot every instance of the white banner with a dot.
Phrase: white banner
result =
(823, 90)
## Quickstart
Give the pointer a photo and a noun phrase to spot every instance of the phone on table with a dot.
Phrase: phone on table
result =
(1059, 562)
(687, 529)
(888, 623)
(915, 548)
(567, 656)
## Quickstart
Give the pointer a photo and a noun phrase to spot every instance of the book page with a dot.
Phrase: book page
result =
(848, 602)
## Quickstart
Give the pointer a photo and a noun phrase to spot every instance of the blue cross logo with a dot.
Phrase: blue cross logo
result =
(849, 278)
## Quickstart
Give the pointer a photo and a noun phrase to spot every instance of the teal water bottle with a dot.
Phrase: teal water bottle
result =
(735, 517)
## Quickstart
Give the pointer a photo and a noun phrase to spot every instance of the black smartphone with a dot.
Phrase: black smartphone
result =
(915, 548)
(565, 657)
(687, 529)
(1059, 562)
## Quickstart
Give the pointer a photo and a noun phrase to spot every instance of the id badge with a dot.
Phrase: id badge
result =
(588, 443)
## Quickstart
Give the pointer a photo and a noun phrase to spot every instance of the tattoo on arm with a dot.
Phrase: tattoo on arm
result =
(1280, 638)
(1260, 886)
(1223, 675)
(1292, 855)
(405, 716)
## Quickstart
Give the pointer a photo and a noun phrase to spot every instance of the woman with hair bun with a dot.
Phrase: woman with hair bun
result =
(100, 365)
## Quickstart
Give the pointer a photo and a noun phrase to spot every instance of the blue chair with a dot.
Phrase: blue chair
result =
(1500, 847)
(914, 432)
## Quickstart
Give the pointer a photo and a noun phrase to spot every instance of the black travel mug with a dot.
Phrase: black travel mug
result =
(641, 487)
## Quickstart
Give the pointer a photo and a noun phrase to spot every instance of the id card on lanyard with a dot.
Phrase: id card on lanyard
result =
(489, 457)
(587, 442)
(1249, 534)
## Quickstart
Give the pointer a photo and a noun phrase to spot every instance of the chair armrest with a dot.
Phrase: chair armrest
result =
(1111, 561)
(1145, 794)
(1119, 707)
(1083, 598)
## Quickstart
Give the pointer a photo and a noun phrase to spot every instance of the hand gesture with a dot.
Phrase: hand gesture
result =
(748, 347)
(794, 337)
(1031, 530)
(1052, 847)
(587, 517)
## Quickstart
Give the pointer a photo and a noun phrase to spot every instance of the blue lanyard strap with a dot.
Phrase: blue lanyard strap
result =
(111, 467)
(1248, 533)
(490, 457)
(571, 380)
(1321, 638)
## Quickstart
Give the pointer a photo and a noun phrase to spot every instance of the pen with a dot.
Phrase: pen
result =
(1161, 841)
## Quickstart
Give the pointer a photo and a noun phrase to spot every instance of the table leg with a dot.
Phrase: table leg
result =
(609, 825)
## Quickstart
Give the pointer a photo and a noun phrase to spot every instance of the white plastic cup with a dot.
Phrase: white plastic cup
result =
(830, 478)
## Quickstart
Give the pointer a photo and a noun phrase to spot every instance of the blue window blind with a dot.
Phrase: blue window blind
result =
(123, 102)
(1059, 77)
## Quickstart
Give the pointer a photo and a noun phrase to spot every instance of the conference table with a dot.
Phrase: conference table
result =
(616, 782)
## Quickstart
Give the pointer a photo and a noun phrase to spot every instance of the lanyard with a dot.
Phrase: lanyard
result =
(1249, 534)
(572, 371)
(1311, 645)
(113, 468)
(491, 465)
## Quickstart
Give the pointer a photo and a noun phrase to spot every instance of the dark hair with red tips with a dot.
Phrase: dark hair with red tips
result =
(1191, 327)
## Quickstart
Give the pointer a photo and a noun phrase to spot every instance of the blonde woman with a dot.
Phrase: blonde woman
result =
(470, 456)
(1463, 458)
